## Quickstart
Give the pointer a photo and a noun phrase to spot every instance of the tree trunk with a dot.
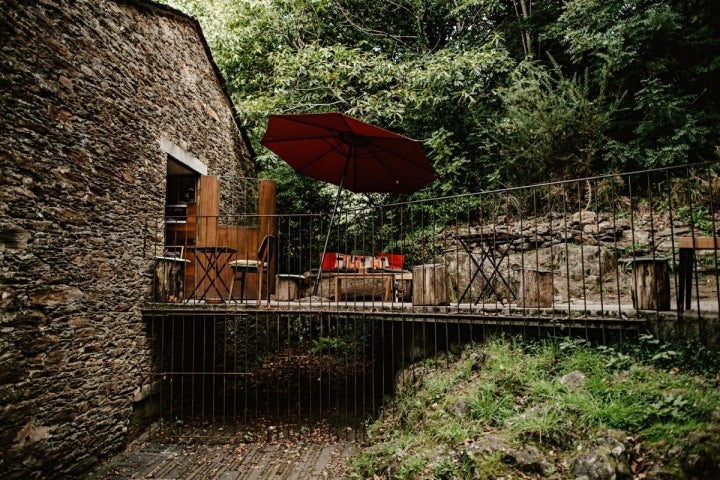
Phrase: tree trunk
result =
(522, 16)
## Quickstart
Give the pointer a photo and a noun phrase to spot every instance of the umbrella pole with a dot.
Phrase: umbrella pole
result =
(332, 218)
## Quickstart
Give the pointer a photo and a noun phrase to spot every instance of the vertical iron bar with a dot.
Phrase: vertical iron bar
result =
(601, 273)
(567, 247)
(582, 249)
(652, 240)
(668, 183)
(632, 229)
(711, 196)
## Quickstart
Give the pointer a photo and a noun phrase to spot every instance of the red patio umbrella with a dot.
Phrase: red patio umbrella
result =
(349, 153)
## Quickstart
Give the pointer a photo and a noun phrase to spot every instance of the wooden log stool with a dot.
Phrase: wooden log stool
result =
(650, 283)
(429, 284)
(288, 286)
(536, 290)
(169, 279)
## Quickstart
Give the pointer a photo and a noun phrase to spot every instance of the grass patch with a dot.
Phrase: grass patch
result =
(462, 419)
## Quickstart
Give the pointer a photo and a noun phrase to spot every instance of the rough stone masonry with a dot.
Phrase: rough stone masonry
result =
(90, 92)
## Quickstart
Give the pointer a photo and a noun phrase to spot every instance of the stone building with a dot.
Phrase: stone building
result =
(106, 105)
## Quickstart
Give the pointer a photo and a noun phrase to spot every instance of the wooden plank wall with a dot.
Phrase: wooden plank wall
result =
(203, 229)
(208, 208)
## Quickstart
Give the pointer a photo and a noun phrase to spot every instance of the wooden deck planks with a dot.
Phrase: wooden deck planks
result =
(300, 459)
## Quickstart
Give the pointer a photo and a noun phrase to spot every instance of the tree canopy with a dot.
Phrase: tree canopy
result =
(501, 92)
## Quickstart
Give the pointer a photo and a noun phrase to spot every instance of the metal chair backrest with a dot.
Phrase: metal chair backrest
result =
(265, 254)
(266, 249)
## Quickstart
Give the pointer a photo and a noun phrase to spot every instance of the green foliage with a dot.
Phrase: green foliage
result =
(500, 96)
(655, 52)
(409, 468)
(420, 247)
(612, 34)
(544, 423)
(316, 198)
(552, 123)
(691, 356)
(491, 405)
(444, 470)
(327, 345)
(698, 217)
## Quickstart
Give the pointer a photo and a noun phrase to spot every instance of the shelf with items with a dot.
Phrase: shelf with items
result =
(176, 213)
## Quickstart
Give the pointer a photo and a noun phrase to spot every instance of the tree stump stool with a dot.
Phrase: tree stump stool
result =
(537, 289)
(650, 283)
(170, 279)
(288, 286)
(429, 284)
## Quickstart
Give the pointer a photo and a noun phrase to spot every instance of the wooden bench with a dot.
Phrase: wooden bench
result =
(386, 277)
(687, 246)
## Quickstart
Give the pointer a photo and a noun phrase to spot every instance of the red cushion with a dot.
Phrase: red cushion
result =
(331, 260)
(395, 260)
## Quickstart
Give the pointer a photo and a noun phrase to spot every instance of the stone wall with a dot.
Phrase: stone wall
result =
(583, 251)
(88, 88)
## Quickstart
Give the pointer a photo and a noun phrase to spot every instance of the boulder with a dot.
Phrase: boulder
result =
(489, 445)
(593, 465)
(606, 459)
(530, 460)
(573, 380)
(702, 459)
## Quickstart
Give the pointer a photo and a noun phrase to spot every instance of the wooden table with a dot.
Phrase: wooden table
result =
(489, 242)
(212, 260)
(386, 277)
(687, 247)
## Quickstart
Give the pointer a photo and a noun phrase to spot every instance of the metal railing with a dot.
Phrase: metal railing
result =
(570, 248)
